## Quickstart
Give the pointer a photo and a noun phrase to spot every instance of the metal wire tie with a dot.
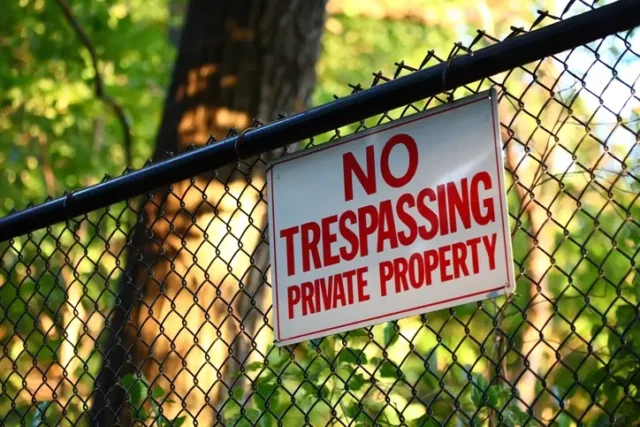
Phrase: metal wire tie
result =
(239, 139)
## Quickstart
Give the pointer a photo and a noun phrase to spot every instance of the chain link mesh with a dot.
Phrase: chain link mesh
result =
(564, 349)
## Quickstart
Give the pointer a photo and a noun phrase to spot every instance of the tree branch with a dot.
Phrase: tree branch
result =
(98, 81)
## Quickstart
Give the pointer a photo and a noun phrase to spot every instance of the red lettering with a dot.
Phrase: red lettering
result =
(400, 267)
(293, 298)
(427, 214)
(362, 283)
(310, 235)
(386, 273)
(442, 209)
(412, 149)
(416, 270)
(387, 225)
(366, 227)
(430, 263)
(349, 283)
(446, 209)
(459, 260)
(338, 291)
(473, 244)
(288, 234)
(407, 238)
(327, 292)
(307, 298)
(444, 263)
(490, 247)
(350, 167)
(489, 214)
(348, 235)
(458, 203)
(327, 239)
(317, 295)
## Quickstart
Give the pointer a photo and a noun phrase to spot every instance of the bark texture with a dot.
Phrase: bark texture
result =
(191, 305)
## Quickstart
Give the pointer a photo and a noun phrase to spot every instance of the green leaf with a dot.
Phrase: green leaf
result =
(352, 410)
(513, 419)
(142, 414)
(625, 315)
(476, 397)
(127, 381)
(636, 282)
(390, 334)
(137, 392)
(478, 389)
(494, 396)
(627, 413)
(612, 391)
(179, 421)
(359, 333)
(163, 421)
(347, 356)
(252, 414)
(573, 389)
(564, 420)
(613, 344)
(429, 381)
(157, 392)
(266, 420)
(265, 388)
(389, 370)
(325, 391)
(481, 381)
(351, 356)
(594, 378)
(238, 392)
(356, 382)
(254, 366)
(136, 388)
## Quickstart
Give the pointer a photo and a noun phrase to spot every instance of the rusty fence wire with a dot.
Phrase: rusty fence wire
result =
(157, 309)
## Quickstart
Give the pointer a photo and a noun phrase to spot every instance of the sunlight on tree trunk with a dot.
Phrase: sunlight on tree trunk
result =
(534, 347)
(536, 197)
(73, 318)
(196, 269)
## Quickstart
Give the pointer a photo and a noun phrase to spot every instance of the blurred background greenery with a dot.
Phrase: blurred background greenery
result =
(55, 133)
(578, 282)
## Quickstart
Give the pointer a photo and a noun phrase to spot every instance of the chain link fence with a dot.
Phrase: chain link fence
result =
(157, 310)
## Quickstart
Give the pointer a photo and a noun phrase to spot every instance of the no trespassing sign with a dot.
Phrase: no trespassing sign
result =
(402, 219)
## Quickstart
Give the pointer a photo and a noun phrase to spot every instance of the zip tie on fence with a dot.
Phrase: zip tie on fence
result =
(444, 72)
(66, 206)
(239, 139)
(66, 201)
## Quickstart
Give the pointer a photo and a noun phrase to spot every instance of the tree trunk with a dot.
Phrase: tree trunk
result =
(530, 170)
(188, 303)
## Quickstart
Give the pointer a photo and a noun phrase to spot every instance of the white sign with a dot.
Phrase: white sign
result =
(402, 219)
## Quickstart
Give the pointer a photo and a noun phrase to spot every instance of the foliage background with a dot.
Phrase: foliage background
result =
(56, 135)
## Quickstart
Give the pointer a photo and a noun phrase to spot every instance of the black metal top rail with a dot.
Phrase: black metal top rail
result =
(517, 51)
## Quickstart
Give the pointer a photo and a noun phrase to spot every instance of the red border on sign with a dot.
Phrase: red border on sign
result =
(355, 138)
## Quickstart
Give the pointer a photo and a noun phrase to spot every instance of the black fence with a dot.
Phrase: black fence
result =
(147, 298)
